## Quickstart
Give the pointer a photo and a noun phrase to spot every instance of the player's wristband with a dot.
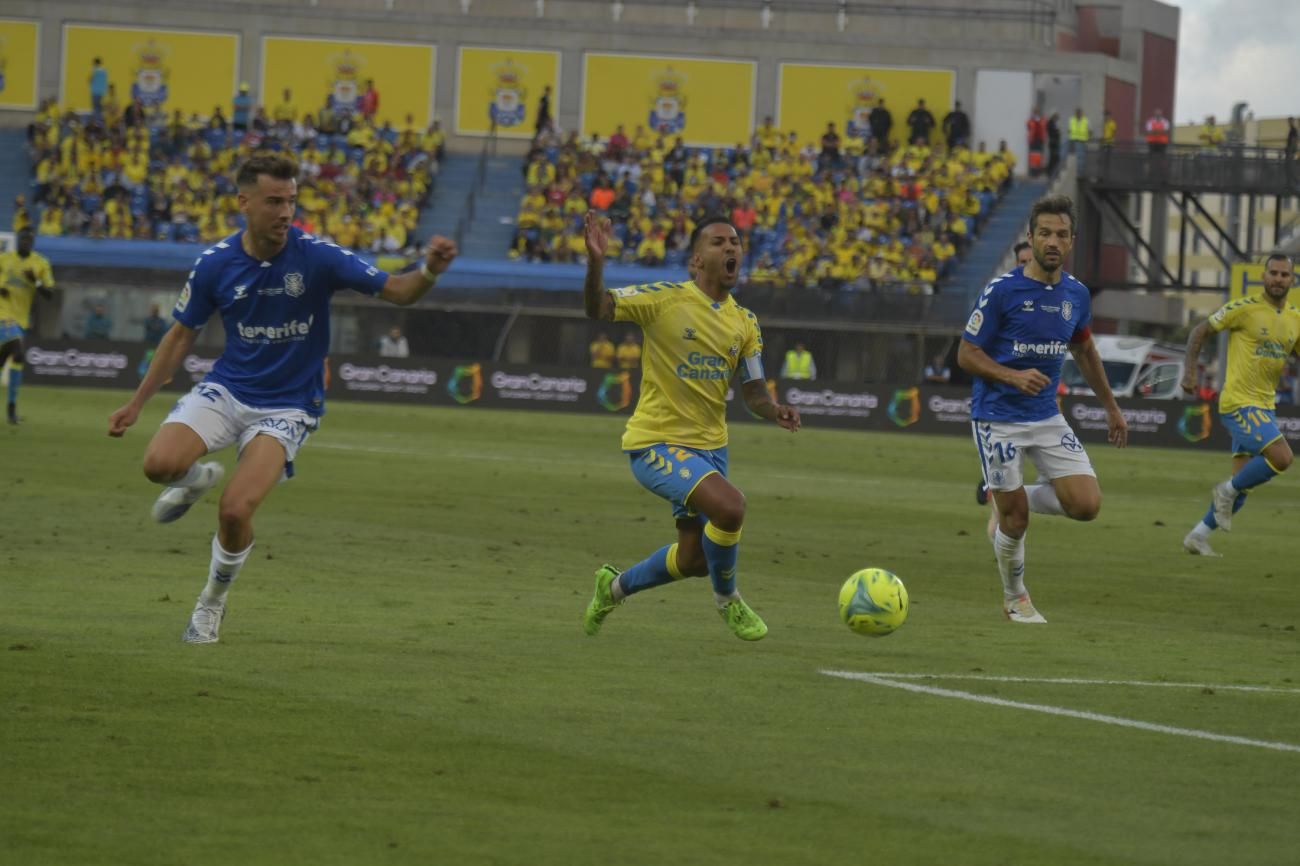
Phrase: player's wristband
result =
(427, 274)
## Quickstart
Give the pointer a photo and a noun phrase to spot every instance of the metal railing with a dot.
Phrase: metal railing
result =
(466, 219)
(1134, 166)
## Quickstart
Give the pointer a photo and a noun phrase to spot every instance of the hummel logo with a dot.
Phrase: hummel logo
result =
(688, 334)
(241, 292)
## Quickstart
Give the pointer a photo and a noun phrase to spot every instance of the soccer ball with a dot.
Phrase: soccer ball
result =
(873, 602)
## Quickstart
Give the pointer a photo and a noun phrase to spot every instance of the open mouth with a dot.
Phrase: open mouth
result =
(731, 265)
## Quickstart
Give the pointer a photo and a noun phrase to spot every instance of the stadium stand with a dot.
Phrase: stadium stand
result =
(127, 175)
(828, 216)
(15, 171)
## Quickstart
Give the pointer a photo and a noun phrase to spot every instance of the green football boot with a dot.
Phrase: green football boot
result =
(743, 622)
(602, 602)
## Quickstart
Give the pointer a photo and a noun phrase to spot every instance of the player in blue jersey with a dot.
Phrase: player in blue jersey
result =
(272, 284)
(1024, 254)
(1016, 339)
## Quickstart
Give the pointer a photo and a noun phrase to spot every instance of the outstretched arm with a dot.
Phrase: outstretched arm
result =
(173, 347)
(405, 289)
(599, 303)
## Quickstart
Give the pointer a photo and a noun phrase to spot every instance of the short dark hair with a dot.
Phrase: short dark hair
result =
(716, 219)
(1280, 256)
(1023, 245)
(278, 167)
(1061, 205)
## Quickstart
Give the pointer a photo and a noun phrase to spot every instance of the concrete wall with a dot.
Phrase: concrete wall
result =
(966, 40)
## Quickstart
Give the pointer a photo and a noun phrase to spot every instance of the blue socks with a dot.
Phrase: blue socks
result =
(1209, 520)
(656, 569)
(721, 548)
(15, 380)
(1256, 471)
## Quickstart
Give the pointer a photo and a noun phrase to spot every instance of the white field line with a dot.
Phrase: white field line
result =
(1072, 681)
(879, 680)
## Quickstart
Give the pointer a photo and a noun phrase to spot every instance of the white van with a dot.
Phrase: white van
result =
(1135, 367)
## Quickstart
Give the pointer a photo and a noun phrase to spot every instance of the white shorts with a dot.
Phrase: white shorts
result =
(221, 420)
(1050, 443)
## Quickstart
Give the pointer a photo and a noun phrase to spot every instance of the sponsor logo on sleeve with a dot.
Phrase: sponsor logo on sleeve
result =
(974, 323)
(184, 300)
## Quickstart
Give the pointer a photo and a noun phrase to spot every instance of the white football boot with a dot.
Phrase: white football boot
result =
(205, 621)
(1021, 609)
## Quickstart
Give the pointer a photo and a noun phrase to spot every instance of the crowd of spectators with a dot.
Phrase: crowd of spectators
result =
(129, 172)
(860, 210)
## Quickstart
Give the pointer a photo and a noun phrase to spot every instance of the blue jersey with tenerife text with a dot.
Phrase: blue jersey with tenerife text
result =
(276, 315)
(1022, 324)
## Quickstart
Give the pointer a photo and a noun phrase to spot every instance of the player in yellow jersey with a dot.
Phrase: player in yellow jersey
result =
(696, 338)
(23, 273)
(1265, 331)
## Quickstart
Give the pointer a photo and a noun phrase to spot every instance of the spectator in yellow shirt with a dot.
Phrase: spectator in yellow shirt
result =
(652, 250)
(540, 172)
(629, 352)
(602, 348)
(22, 216)
(434, 141)
(1210, 136)
(285, 111)
(345, 232)
(52, 221)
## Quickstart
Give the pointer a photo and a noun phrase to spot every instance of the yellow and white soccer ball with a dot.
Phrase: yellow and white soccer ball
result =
(873, 602)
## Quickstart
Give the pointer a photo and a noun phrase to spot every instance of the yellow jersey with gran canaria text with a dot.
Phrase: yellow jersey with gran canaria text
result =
(16, 300)
(693, 347)
(1261, 339)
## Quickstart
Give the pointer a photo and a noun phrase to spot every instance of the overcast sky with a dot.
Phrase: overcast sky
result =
(1242, 51)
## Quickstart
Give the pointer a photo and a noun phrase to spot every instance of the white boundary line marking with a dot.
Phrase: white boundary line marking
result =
(884, 680)
(1072, 681)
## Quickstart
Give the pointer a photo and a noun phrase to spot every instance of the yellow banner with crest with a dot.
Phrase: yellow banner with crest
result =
(813, 95)
(19, 61)
(706, 102)
(502, 86)
(167, 70)
(318, 72)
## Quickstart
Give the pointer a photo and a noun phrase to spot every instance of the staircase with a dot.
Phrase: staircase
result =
(486, 236)
(15, 175)
(1008, 224)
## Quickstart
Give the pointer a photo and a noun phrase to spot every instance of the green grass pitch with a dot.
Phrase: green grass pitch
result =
(403, 677)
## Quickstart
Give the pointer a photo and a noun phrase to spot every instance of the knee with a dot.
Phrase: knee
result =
(729, 516)
(235, 512)
(1280, 462)
(1084, 509)
(163, 468)
(1014, 523)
